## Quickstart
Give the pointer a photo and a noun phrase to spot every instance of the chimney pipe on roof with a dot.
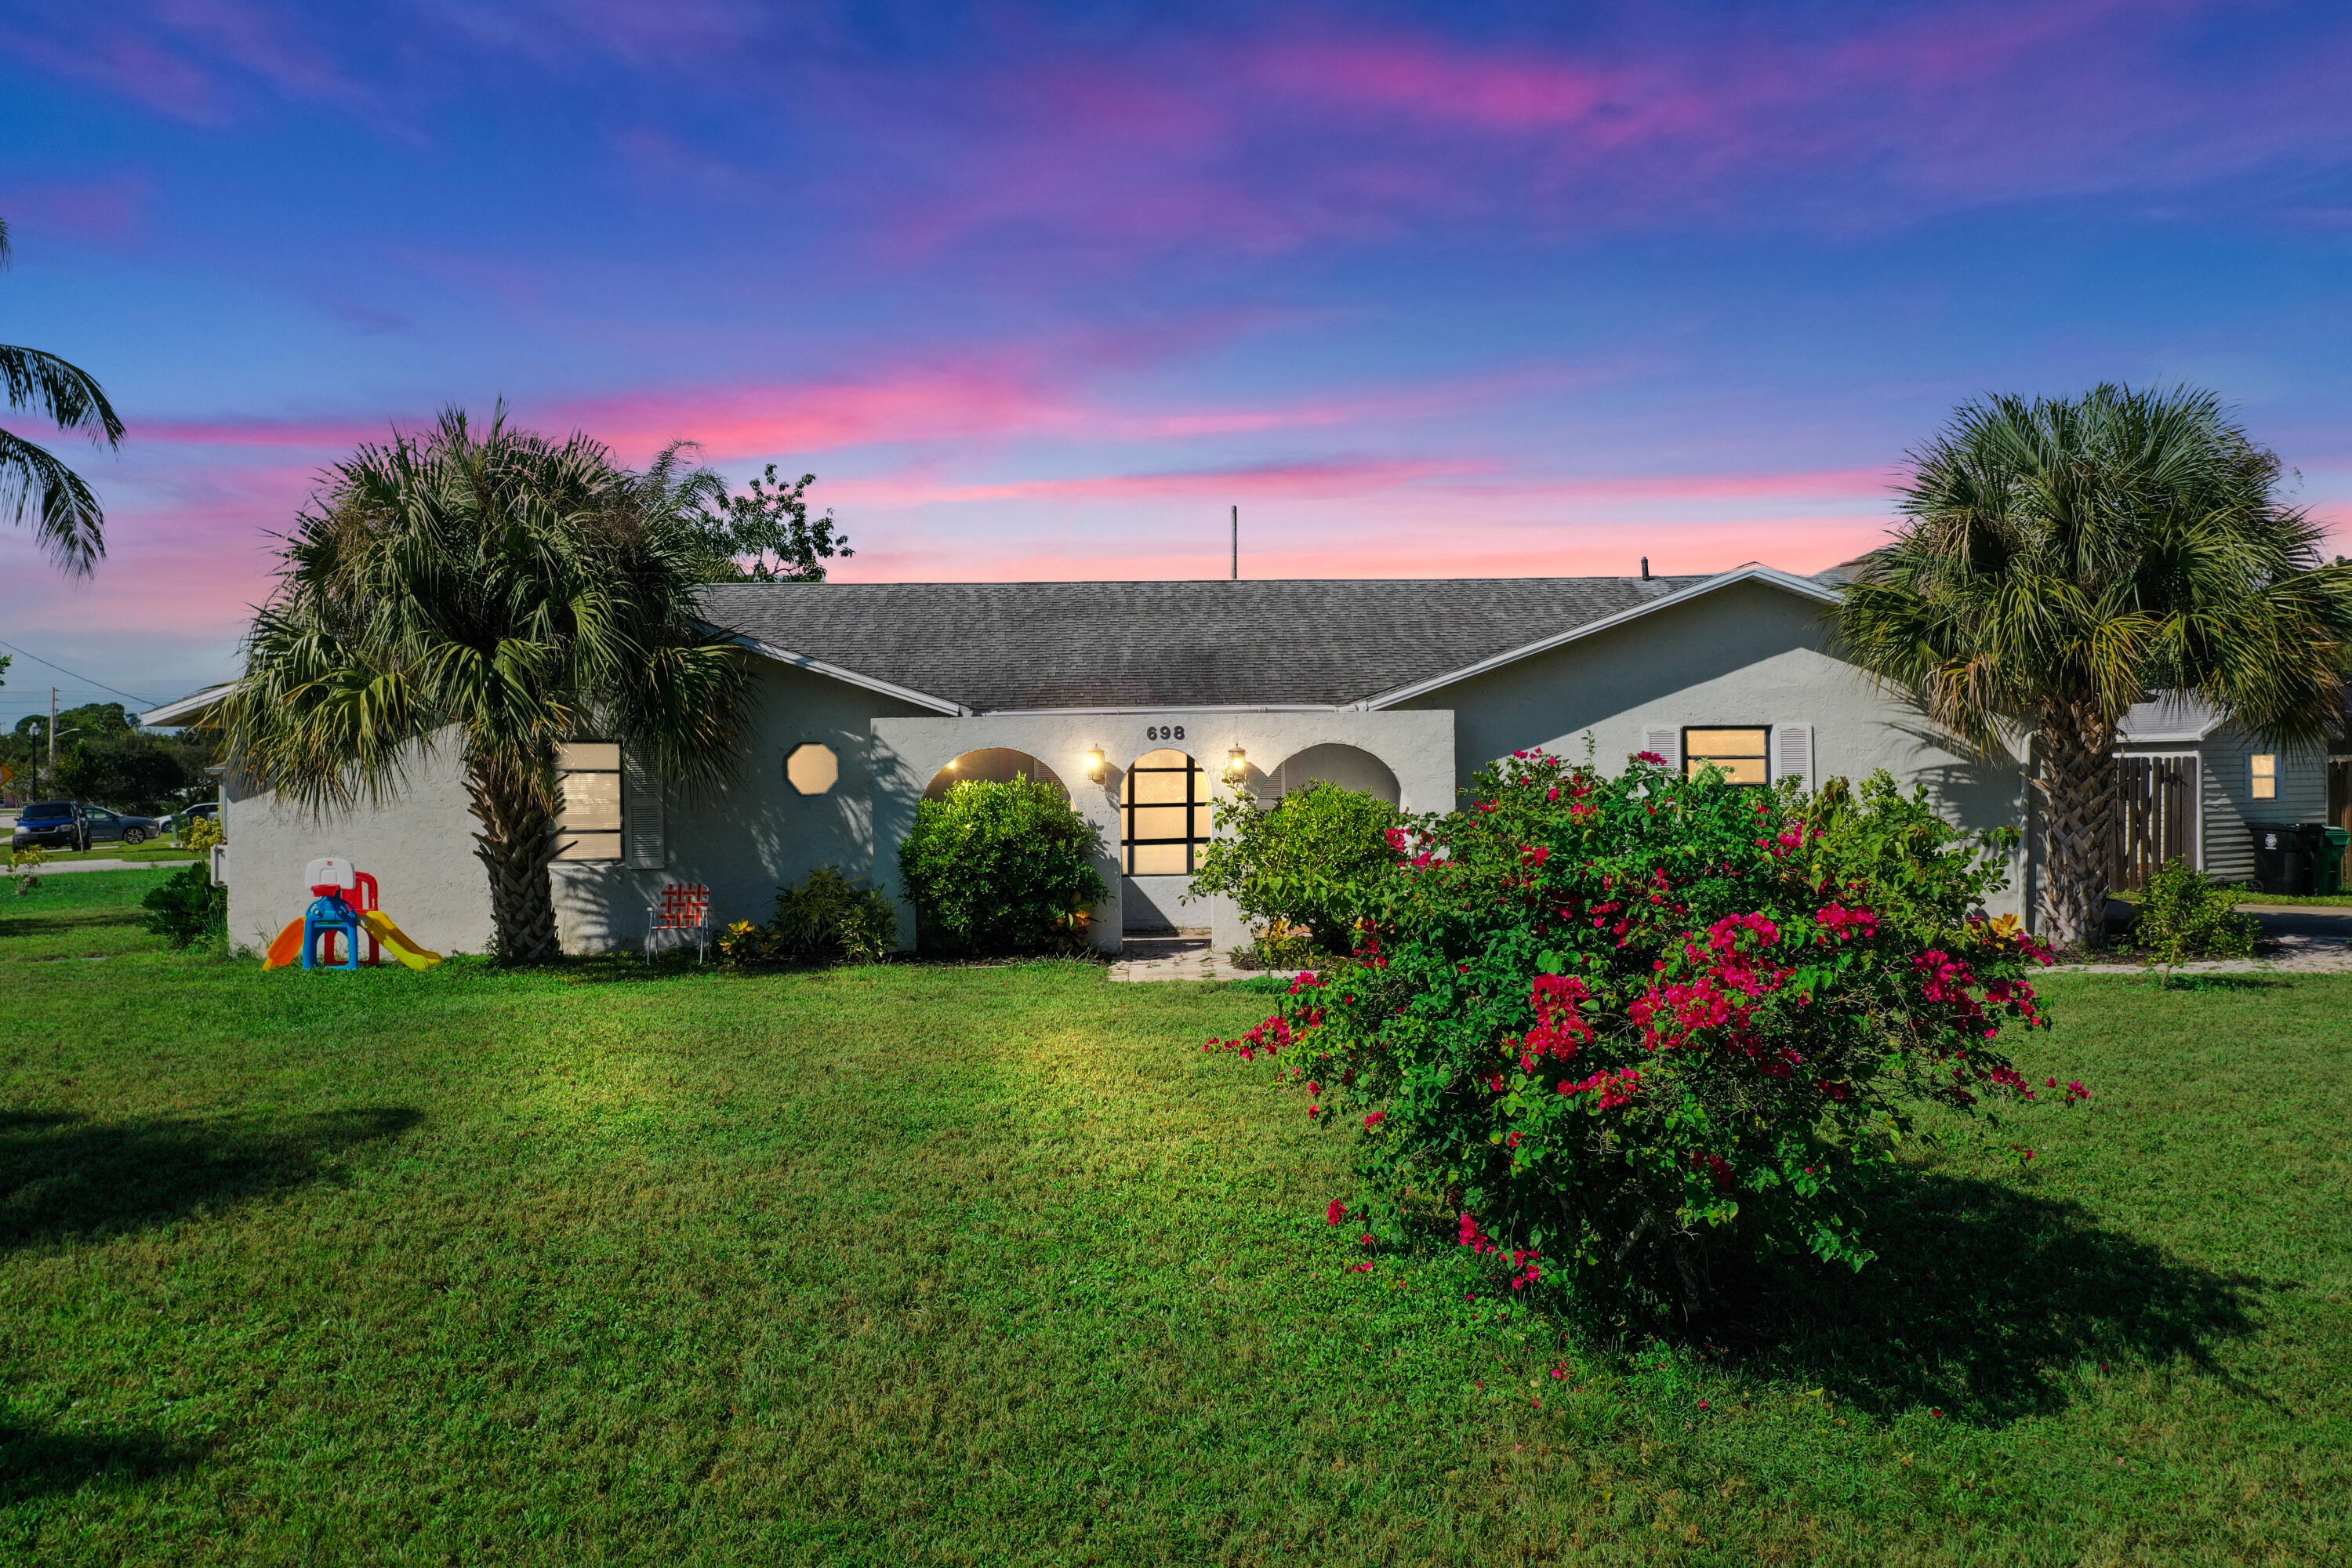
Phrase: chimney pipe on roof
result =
(1646, 568)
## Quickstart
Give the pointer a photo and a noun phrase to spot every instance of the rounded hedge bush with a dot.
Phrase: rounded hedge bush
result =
(1001, 867)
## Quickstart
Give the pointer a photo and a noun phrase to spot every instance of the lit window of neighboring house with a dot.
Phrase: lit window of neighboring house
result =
(589, 827)
(1743, 756)
(2264, 774)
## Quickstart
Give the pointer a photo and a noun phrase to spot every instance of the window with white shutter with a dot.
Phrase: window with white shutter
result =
(1742, 755)
(1666, 743)
(648, 848)
(1792, 754)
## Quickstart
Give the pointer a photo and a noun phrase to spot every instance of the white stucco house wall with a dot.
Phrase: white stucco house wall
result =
(866, 696)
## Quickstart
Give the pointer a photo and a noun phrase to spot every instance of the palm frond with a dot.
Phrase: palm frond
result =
(65, 516)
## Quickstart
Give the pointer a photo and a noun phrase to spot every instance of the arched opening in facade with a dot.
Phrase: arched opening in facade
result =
(1164, 816)
(1345, 767)
(993, 764)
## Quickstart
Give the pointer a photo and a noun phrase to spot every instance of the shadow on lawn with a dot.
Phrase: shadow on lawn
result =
(65, 1177)
(65, 921)
(36, 1463)
(1984, 1298)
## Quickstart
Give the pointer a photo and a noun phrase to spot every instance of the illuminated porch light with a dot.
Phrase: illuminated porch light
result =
(1095, 761)
(1236, 766)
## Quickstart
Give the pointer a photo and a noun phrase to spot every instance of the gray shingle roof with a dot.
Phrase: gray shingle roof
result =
(993, 646)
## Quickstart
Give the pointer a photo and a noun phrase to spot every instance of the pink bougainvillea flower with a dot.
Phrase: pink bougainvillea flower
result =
(1336, 1212)
(1376, 1117)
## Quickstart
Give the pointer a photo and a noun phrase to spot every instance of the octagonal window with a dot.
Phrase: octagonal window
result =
(812, 768)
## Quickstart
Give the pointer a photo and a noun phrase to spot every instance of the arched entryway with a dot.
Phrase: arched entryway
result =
(991, 764)
(1347, 767)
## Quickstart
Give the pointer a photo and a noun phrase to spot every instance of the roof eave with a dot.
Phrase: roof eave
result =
(942, 705)
(188, 709)
(1804, 587)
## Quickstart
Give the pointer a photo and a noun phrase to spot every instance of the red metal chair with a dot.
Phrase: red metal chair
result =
(682, 907)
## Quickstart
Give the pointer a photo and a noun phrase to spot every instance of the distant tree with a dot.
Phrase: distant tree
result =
(105, 759)
(499, 593)
(2063, 558)
(36, 488)
(764, 533)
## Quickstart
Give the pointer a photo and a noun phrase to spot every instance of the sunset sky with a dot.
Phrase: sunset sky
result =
(1039, 291)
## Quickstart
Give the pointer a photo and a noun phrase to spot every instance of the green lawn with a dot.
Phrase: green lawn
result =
(995, 1266)
(156, 849)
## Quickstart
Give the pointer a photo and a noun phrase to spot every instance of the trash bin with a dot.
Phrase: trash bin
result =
(2328, 876)
(2282, 858)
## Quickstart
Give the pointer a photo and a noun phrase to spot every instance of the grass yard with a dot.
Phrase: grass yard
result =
(976, 1266)
(159, 851)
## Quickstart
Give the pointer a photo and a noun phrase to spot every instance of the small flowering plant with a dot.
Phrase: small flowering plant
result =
(1610, 1023)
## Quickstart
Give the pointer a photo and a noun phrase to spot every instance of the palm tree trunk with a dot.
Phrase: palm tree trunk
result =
(516, 846)
(2078, 789)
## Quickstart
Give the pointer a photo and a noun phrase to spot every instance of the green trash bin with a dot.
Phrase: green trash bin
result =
(2328, 875)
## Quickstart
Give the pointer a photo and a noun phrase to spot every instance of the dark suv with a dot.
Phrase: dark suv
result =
(67, 825)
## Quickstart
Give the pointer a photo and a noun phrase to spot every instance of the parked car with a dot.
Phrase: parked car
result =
(69, 825)
(178, 821)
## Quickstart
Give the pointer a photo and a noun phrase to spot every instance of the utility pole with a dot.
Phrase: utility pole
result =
(52, 779)
(1237, 543)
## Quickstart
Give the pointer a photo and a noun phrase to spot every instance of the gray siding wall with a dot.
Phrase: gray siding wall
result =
(2228, 804)
(1749, 654)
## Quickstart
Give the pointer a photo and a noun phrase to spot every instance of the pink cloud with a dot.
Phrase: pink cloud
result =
(109, 212)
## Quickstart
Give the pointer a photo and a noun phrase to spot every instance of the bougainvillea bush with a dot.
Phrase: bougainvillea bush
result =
(1608, 1027)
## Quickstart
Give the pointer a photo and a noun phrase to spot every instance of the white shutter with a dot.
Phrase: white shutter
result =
(1792, 753)
(1667, 743)
(645, 845)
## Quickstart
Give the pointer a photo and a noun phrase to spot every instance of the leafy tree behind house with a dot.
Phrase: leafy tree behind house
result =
(492, 591)
(2061, 559)
(37, 490)
(105, 759)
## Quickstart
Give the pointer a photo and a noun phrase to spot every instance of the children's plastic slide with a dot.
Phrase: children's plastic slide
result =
(288, 949)
(396, 942)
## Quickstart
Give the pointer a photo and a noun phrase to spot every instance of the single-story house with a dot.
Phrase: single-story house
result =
(1148, 701)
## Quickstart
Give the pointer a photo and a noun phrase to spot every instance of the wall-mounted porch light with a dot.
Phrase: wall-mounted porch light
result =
(1236, 766)
(1095, 761)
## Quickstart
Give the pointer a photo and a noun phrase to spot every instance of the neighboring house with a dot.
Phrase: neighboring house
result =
(868, 697)
(2193, 783)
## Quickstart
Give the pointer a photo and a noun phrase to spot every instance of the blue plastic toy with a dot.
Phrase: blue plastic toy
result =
(329, 915)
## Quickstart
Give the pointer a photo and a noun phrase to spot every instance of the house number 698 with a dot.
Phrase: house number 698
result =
(1163, 733)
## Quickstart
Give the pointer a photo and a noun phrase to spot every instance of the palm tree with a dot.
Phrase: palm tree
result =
(2065, 558)
(34, 486)
(496, 592)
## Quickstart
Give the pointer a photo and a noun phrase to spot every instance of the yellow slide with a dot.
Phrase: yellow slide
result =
(396, 942)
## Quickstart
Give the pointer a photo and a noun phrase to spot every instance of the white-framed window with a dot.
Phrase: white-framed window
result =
(2261, 775)
(589, 773)
(1742, 754)
(1165, 816)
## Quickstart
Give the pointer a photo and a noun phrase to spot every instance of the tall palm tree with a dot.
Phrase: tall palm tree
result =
(34, 486)
(496, 592)
(2063, 558)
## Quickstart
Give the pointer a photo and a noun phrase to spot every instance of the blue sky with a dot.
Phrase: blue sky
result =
(1040, 291)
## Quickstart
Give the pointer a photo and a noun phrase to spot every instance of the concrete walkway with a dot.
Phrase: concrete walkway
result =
(58, 870)
(2298, 939)
(1183, 956)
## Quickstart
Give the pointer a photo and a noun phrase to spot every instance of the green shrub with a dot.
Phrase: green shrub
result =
(1609, 1027)
(1001, 867)
(200, 833)
(2186, 914)
(1315, 858)
(832, 920)
(187, 908)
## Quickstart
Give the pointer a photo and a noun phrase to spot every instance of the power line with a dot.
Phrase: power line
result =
(61, 670)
